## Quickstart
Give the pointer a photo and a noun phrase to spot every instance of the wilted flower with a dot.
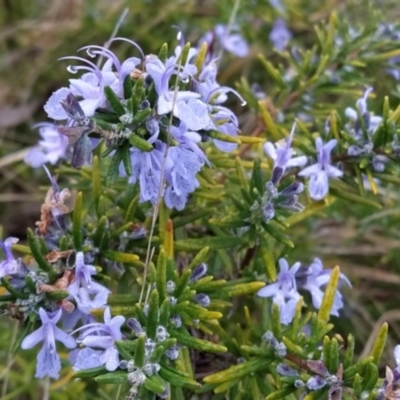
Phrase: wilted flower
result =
(320, 172)
(48, 361)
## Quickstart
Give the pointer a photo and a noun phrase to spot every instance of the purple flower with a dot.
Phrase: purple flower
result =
(52, 147)
(181, 169)
(87, 293)
(314, 279)
(371, 122)
(320, 172)
(284, 291)
(395, 70)
(146, 169)
(232, 42)
(102, 337)
(282, 155)
(90, 86)
(10, 265)
(280, 35)
(48, 361)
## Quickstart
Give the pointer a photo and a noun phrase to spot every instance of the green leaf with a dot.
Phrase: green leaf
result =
(114, 101)
(195, 343)
(154, 384)
(268, 258)
(116, 378)
(128, 87)
(140, 352)
(38, 256)
(89, 373)
(357, 387)
(242, 289)
(333, 362)
(57, 295)
(329, 295)
(96, 181)
(178, 380)
(182, 284)
(126, 348)
(130, 212)
(137, 95)
(100, 231)
(157, 354)
(223, 137)
(277, 235)
(281, 393)
(274, 74)
(124, 258)
(126, 157)
(355, 198)
(292, 347)
(163, 53)
(241, 174)
(211, 242)
(153, 314)
(113, 169)
(379, 344)
(77, 231)
(350, 372)
(165, 312)
(140, 117)
(239, 371)
(348, 357)
(371, 375)
(140, 143)
(257, 180)
(161, 277)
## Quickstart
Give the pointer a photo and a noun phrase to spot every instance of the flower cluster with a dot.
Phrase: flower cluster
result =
(313, 278)
(287, 198)
(131, 105)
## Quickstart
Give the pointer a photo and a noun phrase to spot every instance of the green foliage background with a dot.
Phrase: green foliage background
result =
(365, 242)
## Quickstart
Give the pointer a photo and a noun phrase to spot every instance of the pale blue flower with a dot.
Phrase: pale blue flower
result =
(99, 340)
(282, 155)
(52, 147)
(371, 122)
(229, 40)
(320, 172)
(89, 87)
(181, 170)
(146, 170)
(10, 265)
(87, 293)
(48, 361)
(314, 279)
(280, 35)
(284, 291)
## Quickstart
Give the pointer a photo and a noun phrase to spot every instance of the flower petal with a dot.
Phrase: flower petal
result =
(32, 339)
(63, 337)
(269, 290)
(318, 186)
